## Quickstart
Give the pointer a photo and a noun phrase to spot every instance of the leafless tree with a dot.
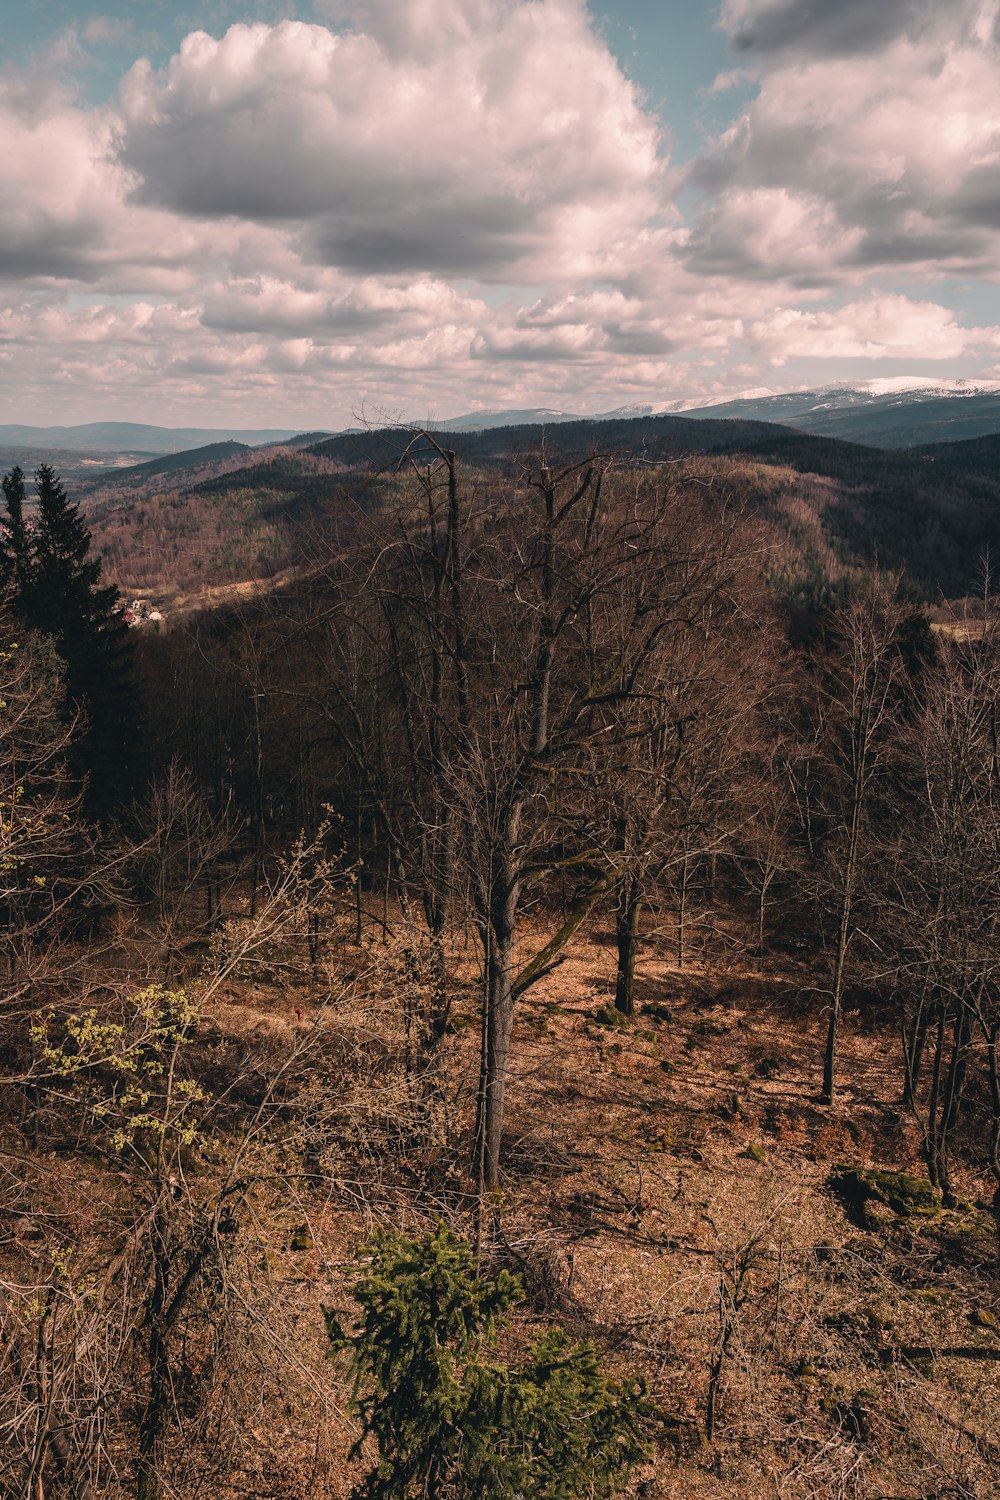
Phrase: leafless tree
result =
(855, 701)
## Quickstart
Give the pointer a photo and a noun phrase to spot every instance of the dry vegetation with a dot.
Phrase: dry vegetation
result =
(554, 859)
(666, 1194)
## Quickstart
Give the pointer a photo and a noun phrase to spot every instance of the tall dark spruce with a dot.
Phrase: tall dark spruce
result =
(54, 586)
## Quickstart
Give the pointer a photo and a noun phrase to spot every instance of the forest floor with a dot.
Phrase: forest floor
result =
(666, 1194)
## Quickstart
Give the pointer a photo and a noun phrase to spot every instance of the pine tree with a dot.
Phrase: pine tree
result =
(454, 1421)
(56, 589)
(16, 554)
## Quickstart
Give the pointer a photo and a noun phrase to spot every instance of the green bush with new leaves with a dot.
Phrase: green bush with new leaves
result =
(452, 1420)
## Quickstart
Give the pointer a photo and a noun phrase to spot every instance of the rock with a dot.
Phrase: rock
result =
(658, 1012)
(859, 1188)
(301, 1238)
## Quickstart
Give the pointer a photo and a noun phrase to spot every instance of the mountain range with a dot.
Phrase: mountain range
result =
(892, 413)
(903, 412)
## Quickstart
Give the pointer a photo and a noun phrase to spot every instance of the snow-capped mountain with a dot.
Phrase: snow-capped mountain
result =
(891, 412)
(483, 420)
(898, 411)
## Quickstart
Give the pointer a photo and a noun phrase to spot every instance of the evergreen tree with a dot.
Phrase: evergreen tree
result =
(56, 589)
(454, 1421)
(16, 553)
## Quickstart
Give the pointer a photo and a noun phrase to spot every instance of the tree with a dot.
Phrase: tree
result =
(56, 589)
(858, 686)
(51, 876)
(16, 559)
(941, 894)
(687, 747)
(450, 1418)
(181, 844)
(576, 580)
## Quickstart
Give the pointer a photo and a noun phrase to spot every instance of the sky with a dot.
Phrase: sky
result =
(308, 213)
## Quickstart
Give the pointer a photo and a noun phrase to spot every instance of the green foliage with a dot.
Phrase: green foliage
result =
(451, 1419)
(125, 1071)
(15, 542)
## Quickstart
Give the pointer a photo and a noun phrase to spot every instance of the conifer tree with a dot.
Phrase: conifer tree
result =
(56, 589)
(452, 1419)
(16, 559)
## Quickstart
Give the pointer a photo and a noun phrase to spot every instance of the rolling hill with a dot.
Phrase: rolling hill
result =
(131, 437)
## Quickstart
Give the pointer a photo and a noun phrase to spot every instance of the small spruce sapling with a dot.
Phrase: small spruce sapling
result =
(451, 1419)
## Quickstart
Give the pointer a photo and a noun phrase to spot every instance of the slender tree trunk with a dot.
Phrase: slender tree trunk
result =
(993, 1055)
(154, 1417)
(499, 1000)
(933, 1104)
(682, 912)
(500, 1023)
(840, 963)
(717, 1364)
(627, 938)
(914, 1039)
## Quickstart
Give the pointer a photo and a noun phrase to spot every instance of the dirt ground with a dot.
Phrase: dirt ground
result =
(666, 1194)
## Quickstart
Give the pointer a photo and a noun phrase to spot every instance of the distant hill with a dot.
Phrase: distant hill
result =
(529, 416)
(664, 436)
(131, 437)
(981, 453)
(304, 439)
(189, 458)
(933, 519)
(879, 413)
(220, 513)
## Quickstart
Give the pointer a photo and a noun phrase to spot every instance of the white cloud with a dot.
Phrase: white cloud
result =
(433, 203)
(513, 147)
(879, 327)
(875, 126)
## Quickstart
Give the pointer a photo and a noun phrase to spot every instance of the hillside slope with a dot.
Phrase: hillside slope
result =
(255, 513)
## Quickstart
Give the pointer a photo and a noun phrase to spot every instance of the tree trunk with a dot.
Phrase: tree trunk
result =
(840, 963)
(627, 937)
(682, 912)
(933, 1149)
(154, 1417)
(499, 1025)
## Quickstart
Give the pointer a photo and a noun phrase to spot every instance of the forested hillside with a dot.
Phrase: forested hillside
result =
(203, 519)
(511, 1007)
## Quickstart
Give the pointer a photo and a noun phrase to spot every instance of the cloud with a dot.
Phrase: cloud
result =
(845, 164)
(56, 192)
(512, 146)
(427, 204)
(269, 305)
(827, 27)
(890, 326)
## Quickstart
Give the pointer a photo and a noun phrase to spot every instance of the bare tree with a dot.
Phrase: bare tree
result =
(855, 701)
(943, 902)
